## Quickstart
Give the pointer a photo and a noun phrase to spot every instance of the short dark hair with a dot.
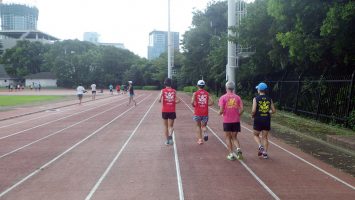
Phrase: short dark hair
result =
(167, 82)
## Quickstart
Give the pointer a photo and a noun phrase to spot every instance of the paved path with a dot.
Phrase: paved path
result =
(105, 149)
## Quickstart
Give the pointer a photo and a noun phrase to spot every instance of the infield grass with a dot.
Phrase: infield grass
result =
(27, 99)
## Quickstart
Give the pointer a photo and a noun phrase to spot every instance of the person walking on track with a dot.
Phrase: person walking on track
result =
(200, 101)
(169, 100)
(93, 91)
(231, 107)
(80, 90)
(262, 109)
(110, 87)
(131, 93)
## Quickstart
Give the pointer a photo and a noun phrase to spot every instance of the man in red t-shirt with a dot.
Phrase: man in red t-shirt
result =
(169, 99)
(200, 101)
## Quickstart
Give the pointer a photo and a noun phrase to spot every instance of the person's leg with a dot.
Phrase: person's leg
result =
(235, 139)
(166, 132)
(229, 143)
(129, 100)
(198, 131)
(204, 128)
(265, 141)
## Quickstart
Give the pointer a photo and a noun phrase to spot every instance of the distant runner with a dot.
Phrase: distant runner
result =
(93, 91)
(111, 89)
(80, 90)
(231, 107)
(200, 101)
(169, 99)
(131, 93)
(262, 109)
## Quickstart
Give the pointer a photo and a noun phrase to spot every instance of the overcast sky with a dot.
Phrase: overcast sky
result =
(119, 21)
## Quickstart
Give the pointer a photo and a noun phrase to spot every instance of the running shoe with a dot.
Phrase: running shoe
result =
(167, 143)
(260, 150)
(265, 155)
(238, 154)
(199, 141)
(170, 140)
(205, 136)
(230, 156)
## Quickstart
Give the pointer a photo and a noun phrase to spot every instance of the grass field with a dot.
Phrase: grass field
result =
(30, 99)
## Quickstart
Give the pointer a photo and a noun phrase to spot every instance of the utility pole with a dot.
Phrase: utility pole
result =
(231, 59)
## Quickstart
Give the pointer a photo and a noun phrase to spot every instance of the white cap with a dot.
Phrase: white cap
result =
(201, 82)
(129, 81)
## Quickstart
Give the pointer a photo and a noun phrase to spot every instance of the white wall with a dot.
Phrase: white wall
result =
(5, 84)
(43, 82)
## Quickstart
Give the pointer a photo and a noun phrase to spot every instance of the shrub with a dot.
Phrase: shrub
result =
(190, 89)
(150, 87)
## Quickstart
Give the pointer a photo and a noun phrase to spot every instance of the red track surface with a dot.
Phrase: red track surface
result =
(104, 149)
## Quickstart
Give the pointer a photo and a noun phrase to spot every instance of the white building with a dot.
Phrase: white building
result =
(45, 79)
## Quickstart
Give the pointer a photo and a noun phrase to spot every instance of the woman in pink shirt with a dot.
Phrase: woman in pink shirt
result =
(231, 107)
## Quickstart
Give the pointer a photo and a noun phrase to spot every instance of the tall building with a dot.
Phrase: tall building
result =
(19, 22)
(158, 43)
(18, 17)
(92, 37)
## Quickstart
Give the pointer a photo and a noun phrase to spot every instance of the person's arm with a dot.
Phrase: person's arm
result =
(273, 110)
(161, 96)
(210, 101)
(177, 99)
(193, 100)
(241, 107)
(221, 107)
(253, 110)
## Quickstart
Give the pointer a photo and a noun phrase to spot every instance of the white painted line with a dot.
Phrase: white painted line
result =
(61, 155)
(242, 162)
(177, 167)
(19, 132)
(52, 134)
(108, 169)
(305, 161)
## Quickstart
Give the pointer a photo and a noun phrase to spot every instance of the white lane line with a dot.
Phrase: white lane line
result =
(243, 163)
(62, 154)
(49, 115)
(309, 163)
(303, 160)
(108, 169)
(177, 167)
(19, 132)
(52, 134)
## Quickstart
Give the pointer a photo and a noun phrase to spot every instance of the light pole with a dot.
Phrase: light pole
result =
(169, 44)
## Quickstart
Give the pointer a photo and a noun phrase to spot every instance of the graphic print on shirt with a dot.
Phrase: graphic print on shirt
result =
(169, 96)
(264, 107)
(231, 103)
(202, 99)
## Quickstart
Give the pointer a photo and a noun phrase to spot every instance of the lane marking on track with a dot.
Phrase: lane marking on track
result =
(108, 169)
(19, 132)
(62, 111)
(64, 153)
(303, 160)
(52, 134)
(177, 167)
(242, 162)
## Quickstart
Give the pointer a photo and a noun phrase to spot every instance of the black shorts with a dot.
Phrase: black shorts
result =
(93, 92)
(168, 115)
(231, 127)
(262, 125)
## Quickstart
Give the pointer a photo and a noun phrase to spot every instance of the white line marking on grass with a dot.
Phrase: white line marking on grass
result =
(243, 163)
(108, 169)
(13, 134)
(50, 135)
(62, 154)
(303, 160)
(178, 174)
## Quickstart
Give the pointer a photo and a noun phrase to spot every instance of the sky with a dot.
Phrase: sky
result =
(116, 21)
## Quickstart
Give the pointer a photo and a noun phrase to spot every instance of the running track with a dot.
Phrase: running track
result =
(105, 149)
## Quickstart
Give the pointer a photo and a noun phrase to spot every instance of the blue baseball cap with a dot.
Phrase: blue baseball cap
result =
(261, 86)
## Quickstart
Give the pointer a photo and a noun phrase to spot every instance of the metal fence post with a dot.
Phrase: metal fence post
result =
(298, 93)
(350, 94)
(319, 98)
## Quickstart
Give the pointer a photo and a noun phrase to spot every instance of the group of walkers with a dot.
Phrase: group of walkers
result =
(230, 108)
(80, 90)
